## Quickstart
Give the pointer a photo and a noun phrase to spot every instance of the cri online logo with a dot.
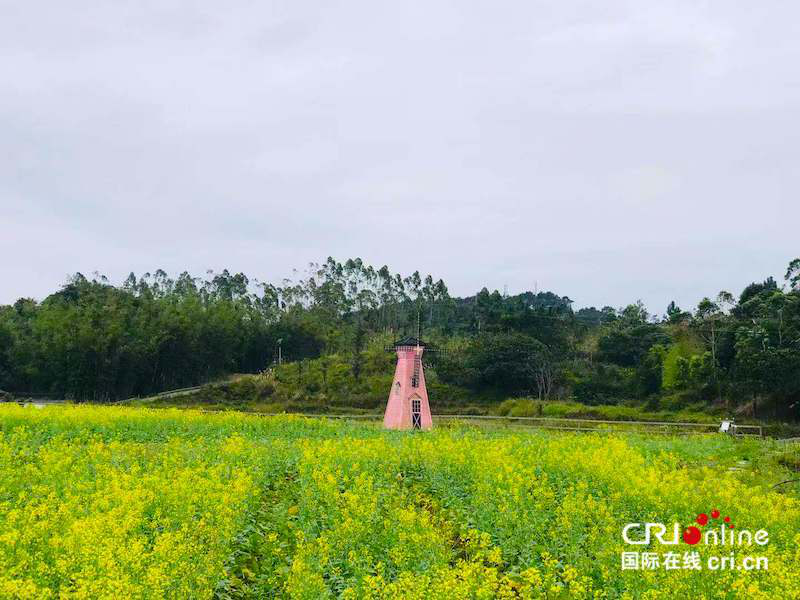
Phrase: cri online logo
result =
(693, 535)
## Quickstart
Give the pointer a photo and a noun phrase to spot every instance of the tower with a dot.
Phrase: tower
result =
(407, 407)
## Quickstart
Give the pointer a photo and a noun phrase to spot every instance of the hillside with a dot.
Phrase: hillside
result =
(328, 329)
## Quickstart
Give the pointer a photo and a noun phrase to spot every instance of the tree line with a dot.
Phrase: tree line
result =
(92, 340)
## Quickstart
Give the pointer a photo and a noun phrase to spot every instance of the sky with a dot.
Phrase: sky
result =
(607, 151)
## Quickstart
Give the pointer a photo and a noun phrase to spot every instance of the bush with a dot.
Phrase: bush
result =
(529, 407)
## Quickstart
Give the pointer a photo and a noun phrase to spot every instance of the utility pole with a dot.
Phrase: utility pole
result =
(280, 353)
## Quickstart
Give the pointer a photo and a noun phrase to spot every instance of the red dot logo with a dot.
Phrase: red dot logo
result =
(691, 535)
(702, 519)
(727, 519)
(715, 514)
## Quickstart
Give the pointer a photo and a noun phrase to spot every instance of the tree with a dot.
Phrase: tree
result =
(793, 274)
(767, 345)
(627, 341)
(507, 361)
(6, 342)
(708, 316)
(544, 372)
(675, 315)
(754, 290)
(650, 371)
(93, 340)
(725, 299)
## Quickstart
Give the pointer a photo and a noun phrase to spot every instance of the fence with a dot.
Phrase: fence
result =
(550, 423)
(564, 424)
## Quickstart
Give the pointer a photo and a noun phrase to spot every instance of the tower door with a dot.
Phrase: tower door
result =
(416, 413)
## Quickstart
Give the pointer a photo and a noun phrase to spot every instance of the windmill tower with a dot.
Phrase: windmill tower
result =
(407, 407)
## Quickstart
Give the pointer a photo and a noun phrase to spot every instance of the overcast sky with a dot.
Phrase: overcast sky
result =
(607, 151)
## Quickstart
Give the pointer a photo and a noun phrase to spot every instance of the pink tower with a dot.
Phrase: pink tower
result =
(407, 407)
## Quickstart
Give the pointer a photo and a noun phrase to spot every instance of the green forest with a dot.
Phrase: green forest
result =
(329, 328)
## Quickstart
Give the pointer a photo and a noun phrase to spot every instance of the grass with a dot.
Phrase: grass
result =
(255, 393)
(526, 407)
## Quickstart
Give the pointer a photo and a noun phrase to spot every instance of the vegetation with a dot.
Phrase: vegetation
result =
(135, 503)
(328, 329)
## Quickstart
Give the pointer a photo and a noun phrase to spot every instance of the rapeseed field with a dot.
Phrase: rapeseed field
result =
(99, 502)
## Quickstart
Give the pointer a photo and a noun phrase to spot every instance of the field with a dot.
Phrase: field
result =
(142, 503)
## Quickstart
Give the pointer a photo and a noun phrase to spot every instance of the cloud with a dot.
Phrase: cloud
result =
(608, 151)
